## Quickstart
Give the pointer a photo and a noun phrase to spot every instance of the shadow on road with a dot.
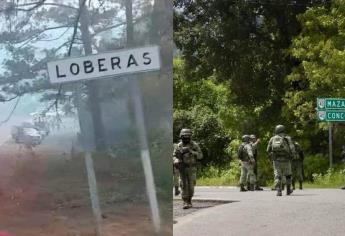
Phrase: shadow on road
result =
(198, 204)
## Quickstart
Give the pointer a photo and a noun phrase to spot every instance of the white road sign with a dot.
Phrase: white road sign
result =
(104, 65)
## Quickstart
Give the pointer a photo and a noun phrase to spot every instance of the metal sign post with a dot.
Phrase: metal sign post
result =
(145, 153)
(91, 67)
(330, 110)
(330, 141)
(93, 192)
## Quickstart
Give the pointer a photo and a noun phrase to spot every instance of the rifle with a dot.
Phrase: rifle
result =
(179, 155)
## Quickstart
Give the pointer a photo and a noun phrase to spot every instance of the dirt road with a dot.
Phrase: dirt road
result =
(45, 192)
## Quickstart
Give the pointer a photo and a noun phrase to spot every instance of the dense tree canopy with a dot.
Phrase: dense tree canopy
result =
(271, 61)
(320, 49)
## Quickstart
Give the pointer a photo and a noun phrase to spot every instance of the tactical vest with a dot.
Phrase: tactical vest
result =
(188, 158)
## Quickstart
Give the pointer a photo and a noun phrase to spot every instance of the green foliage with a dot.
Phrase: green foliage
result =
(319, 48)
(332, 178)
(315, 164)
(227, 175)
(253, 66)
(207, 131)
(244, 44)
(198, 105)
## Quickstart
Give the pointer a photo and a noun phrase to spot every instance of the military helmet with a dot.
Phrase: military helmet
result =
(186, 132)
(252, 136)
(280, 129)
(245, 138)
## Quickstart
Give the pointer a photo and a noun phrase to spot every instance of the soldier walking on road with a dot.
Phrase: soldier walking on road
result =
(297, 166)
(254, 142)
(246, 156)
(185, 156)
(281, 149)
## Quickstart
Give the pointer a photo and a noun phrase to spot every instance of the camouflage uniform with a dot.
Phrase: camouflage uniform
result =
(343, 160)
(176, 180)
(187, 155)
(246, 156)
(297, 166)
(176, 176)
(281, 158)
(254, 142)
(342, 154)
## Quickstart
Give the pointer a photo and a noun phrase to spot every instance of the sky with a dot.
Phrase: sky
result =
(30, 103)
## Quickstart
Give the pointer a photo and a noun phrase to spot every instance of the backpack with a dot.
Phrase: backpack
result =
(280, 146)
(240, 152)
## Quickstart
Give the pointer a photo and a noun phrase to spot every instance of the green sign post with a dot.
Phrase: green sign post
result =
(331, 110)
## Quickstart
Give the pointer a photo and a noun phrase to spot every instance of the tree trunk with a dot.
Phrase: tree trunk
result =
(129, 21)
(162, 33)
(92, 86)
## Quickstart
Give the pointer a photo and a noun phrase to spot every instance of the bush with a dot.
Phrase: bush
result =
(217, 176)
(332, 178)
(315, 164)
(208, 132)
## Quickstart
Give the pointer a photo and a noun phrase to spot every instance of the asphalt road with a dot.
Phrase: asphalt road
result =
(314, 212)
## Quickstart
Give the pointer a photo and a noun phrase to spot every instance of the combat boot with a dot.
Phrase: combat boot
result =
(343, 187)
(185, 203)
(279, 192)
(288, 189)
(251, 187)
(190, 202)
(257, 188)
(300, 185)
(177, 191)
(243, 189)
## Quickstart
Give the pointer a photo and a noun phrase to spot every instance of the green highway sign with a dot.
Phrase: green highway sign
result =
(331, 103)
(331, 110)
(331, 115)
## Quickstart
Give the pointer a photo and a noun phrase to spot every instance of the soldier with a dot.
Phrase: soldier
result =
(281, 149)
(186, 154)
(342, 154)
(254, 142)
(297, 166)
(343, 160)
(283, 184)
(176, 176)
(245, 154)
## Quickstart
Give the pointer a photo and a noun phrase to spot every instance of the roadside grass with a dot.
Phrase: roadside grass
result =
(216, 181)
(224, 182)
(332, 178)
(225, 176)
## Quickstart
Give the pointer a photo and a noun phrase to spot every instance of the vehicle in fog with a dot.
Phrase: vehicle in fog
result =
(26, 135)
